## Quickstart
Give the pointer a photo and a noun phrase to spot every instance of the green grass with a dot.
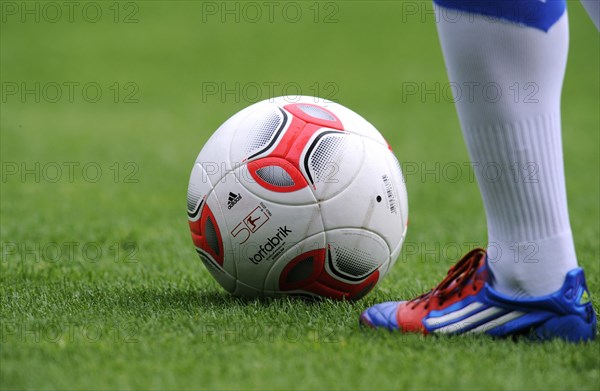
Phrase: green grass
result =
(145, 313)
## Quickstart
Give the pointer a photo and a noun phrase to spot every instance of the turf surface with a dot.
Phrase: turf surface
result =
(100, 284)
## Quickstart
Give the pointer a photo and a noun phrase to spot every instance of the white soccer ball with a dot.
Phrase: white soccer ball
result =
(297, 196)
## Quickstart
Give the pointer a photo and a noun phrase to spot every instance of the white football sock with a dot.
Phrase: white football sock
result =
(593, 9)
(510, 76)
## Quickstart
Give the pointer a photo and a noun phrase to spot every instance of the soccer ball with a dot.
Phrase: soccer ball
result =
(297, 196)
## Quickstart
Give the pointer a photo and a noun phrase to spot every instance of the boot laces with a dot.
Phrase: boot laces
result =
(461, 274)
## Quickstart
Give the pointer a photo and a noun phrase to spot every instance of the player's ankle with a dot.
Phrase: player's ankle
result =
(531, 268)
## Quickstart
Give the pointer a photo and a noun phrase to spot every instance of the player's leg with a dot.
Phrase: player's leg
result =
(593, 9)
(508, 59)
(513, 57)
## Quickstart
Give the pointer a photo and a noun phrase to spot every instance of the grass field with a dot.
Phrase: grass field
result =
(100, 284)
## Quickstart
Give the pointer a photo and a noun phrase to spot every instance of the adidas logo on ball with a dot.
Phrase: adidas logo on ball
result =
(233, 199)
